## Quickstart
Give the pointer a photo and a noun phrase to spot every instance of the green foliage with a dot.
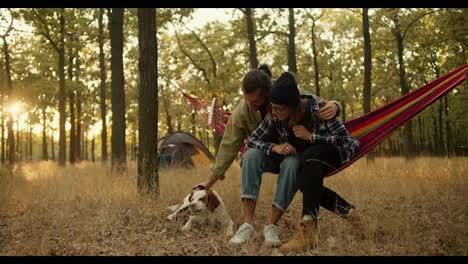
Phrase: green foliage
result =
(211, 61)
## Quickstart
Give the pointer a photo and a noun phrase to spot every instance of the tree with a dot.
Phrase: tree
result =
(367, 66)
(71, 95)
(119, 160)
(102, 67)
(292, 43)
(3, 113)
(400, 30)
(314, 52)
(44, 19)
(367, 60)
(9, 92)
(251, 36)
(148, 179)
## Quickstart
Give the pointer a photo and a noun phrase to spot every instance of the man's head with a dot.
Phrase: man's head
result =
(256, 86)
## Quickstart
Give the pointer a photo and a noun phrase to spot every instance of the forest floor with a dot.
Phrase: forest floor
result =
(416, 207)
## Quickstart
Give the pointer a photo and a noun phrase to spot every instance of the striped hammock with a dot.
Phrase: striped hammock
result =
(371, 128)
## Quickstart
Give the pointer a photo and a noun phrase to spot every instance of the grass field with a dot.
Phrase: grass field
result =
(416, 207)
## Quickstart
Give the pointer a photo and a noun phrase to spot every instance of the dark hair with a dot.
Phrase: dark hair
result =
(257, 79)
(296, 113)
(265, 68)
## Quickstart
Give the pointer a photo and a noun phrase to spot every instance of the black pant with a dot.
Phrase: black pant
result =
(314, 168)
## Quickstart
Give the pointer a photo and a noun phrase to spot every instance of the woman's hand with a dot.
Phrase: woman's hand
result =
(283, 149)
(328, 111)
(301, 132)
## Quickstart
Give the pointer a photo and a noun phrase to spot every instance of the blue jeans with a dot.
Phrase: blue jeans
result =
(255, 162)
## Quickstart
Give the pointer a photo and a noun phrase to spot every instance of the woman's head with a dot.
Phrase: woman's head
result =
(285, 98)
(256, 86)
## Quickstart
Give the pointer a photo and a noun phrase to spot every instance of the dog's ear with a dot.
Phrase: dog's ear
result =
(212, 201)
(198, 187)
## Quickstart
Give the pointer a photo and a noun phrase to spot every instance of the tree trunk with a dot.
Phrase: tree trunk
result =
(44, 134)
(18, 150)
(440, 140)
(2, 111)
(170, 128)
(61, 70)
(78, 126)
(78, 118)
(179, 121)
(292, 43)
(219, 120)
(148, 178)
(9, 92)
(343, 115)
(134, 142)
(435, 135)
(251, 36)
(92, 150)
(421, 146)
(3, 134)
(193, 121)
(85, 149)
(30, 149)
(316, 66)
(102, 67)
(367, 67)
(71, 96)
(408, 127)
(448, 129)
(367, 60)
(52, 145)
(118, 160)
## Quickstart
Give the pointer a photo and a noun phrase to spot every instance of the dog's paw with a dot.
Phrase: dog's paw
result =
(185, 228)
(171, 217)
(229, 233)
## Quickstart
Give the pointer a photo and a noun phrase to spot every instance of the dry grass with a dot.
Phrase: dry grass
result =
(417, 208)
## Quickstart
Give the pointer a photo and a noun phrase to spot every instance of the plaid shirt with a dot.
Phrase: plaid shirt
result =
(331, 131)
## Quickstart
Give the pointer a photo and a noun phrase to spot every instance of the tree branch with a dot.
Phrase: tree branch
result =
(241, 9)
(46, 34)
(9, 28)
(415, 20)
(199, 67)
(309, 15)
(213, 61)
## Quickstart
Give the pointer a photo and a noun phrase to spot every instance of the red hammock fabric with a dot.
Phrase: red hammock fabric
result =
(372, 128)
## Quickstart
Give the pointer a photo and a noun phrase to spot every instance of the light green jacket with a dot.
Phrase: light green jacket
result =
(241, 124)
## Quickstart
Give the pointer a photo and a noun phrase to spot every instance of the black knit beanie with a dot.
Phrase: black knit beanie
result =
(285, 91)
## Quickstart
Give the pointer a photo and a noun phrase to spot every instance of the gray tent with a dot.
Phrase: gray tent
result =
(182, 149)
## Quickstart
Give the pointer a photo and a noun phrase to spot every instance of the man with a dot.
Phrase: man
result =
(247, 115)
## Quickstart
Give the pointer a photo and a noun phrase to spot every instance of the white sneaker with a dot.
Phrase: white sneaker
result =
(271, 234)
(244, 234)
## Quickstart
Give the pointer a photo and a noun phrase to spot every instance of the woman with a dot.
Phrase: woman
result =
(292, 127)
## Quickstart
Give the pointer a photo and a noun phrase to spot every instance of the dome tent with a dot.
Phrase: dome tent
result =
(183, 150)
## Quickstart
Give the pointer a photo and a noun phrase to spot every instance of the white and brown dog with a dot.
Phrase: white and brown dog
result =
(202, 206)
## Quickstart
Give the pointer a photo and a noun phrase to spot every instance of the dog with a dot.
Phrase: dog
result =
(202, 206)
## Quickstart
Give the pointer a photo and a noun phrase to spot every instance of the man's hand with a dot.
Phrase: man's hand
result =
(301, 132)
(283, 149)
(328, 111)
(209, 183)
